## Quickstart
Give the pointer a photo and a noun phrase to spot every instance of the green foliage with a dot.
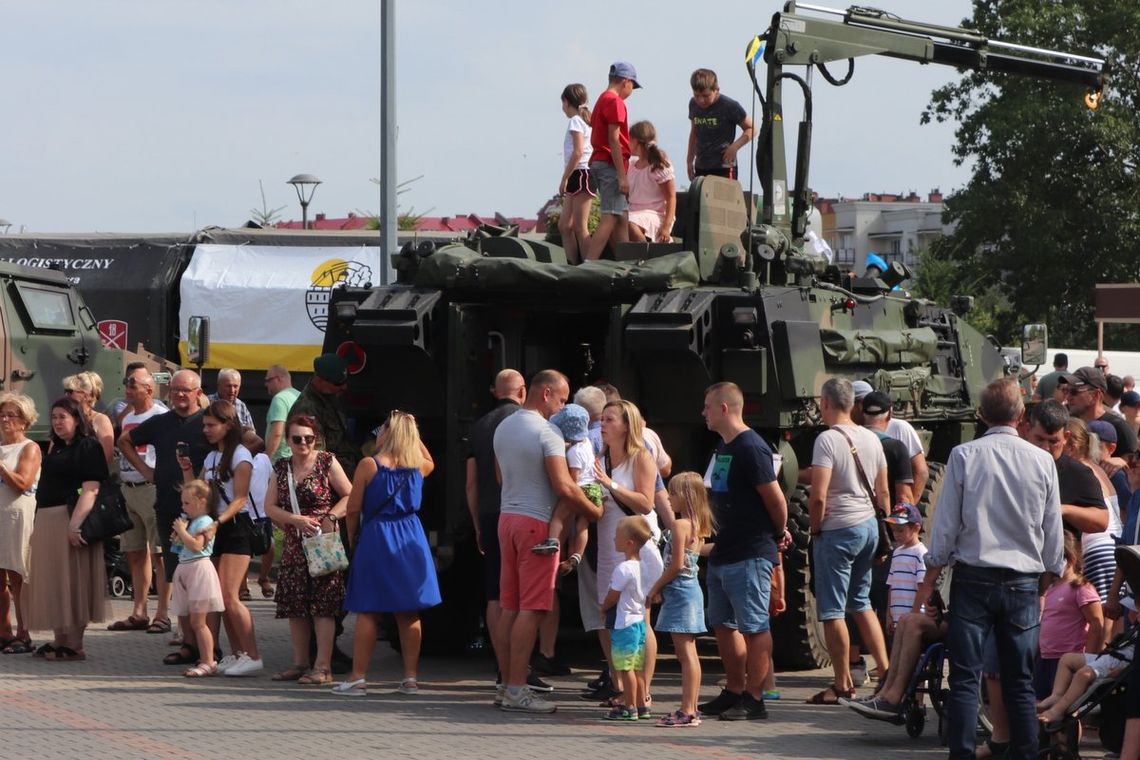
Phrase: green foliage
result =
(265, 216)
(1051, 208)
(939, 276)
(554, 215)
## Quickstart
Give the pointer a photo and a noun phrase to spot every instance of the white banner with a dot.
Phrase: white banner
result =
(268, 304)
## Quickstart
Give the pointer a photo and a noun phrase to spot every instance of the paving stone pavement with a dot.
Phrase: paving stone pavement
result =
(123, 703)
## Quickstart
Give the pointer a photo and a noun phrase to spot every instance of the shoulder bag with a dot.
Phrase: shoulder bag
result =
(259, 529)
(883, 550)
(108, 516)
(324, 552)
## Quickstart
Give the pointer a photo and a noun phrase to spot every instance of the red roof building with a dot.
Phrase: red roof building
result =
(458, 223)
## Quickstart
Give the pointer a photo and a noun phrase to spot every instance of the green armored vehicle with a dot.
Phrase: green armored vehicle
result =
(48, 334)
(735, 300)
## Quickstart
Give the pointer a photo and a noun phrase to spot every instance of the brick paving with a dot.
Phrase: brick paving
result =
(124, 703)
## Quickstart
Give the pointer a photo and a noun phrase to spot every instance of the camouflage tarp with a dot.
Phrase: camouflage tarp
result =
(459, 268)
(890, 347)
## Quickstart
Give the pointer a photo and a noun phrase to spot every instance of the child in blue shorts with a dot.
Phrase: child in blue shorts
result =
(627, 600)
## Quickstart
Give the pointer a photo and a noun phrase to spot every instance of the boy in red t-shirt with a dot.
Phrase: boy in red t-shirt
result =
(609, 137)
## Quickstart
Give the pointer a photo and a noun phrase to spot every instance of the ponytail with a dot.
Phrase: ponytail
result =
(644, 133)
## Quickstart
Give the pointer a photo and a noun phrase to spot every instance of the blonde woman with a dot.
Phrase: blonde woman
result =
(86, 388)
(19, 474)
(392, 568)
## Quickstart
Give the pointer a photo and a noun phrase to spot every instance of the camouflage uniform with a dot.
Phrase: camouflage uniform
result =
(329, 413)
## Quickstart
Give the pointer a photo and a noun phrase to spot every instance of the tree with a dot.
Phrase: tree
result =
(1051, 207)
(265, 216)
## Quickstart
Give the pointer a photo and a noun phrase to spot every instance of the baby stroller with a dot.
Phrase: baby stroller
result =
(1107, 693)
(118, 572)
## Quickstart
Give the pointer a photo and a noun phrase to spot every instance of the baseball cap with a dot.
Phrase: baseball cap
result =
(1104, 430)
(904, 514)
(861, 388)
(876, 403)
(331, 368)
(625, 70)
(1085, 376)
(1130, 398)
(572, 421)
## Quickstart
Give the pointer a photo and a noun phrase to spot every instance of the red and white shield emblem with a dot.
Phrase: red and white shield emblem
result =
(113, 332)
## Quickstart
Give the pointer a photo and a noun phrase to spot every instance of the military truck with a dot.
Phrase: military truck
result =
(48, 333)
(736, 300)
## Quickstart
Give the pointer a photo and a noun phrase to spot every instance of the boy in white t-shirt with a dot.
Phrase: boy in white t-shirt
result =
(573, 422)
(908, 566)
(625, 605)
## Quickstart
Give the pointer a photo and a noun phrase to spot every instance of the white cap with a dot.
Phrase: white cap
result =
(862, 388)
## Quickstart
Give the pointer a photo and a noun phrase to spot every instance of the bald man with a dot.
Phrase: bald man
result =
(509, 391)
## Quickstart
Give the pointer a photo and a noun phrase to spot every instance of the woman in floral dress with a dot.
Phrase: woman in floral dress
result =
(310, 604)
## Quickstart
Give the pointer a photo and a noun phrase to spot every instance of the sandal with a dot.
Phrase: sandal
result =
(44, 651)
(186, 655)
(201, 670)
(18, 646)
(409, 686)
(679, 719)
(131, 623)
(66, 654)
(614, 701)
(316, 677)
(293, 673)
(243, 595)
(267, 588)
(355, 688)
(834, 691)
(159, 625)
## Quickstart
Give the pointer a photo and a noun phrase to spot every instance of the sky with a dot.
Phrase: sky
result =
(145, 116)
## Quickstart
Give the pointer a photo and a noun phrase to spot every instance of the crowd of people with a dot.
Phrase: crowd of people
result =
(620, 164)
(560, 486)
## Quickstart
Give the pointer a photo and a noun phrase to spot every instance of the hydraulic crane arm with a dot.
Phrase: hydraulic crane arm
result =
(795, 39)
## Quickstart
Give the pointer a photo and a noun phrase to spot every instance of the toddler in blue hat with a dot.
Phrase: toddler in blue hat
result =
(908, 567)
(573, 422)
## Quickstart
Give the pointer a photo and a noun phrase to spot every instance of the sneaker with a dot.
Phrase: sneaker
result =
(859, 672)
(527, 702)
(245, 666)
(643, 713)
(549, 666)
(500, 694)
(227, 662)
(620, 713)
(549, 546)
(748, 708)
(601, 694)
(770, 695)
(603, 679)
(537, 684)
(876, 707)
(720, 703)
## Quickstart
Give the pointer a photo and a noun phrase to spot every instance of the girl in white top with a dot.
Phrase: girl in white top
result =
(229, 469)
(576, 187)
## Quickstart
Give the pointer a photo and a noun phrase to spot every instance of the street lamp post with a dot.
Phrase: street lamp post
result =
(305, 185)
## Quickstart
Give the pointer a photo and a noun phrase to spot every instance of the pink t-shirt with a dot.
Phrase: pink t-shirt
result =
(1063, 626)
(644, 190)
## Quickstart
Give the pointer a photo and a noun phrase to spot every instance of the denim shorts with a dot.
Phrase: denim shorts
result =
(613, 201)
(738, 595)
(841, 562)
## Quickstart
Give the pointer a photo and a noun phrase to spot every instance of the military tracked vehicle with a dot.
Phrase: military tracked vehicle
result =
(734, 300)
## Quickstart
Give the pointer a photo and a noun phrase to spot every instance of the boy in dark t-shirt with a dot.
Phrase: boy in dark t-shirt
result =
(714, 118)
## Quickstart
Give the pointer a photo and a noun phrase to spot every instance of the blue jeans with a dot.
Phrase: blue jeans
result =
(986, 600)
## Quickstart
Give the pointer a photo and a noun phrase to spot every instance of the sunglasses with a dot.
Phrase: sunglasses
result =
(305, 439)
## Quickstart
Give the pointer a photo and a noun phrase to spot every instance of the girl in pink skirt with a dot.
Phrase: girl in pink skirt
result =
(197, 592)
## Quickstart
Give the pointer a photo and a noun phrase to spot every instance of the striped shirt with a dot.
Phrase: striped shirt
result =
(907, 571)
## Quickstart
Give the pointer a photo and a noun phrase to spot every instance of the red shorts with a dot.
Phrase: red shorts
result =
(526, 579)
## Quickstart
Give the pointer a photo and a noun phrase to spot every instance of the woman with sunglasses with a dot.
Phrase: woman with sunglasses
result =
(87, 388)
(392, 568)
(321, 490)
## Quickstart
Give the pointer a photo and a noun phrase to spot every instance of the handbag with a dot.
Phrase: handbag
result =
(324, 552)
(258, 529)
(108, 516)
(883, 549)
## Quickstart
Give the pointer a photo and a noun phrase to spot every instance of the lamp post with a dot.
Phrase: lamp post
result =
(305, 185)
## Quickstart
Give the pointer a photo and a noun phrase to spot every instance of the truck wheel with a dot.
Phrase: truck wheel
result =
(798, 636)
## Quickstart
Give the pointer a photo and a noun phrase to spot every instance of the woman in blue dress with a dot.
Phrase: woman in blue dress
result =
(392, 568)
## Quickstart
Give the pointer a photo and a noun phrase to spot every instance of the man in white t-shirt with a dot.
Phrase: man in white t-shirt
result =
(141, 542)
(900, 430)
(530, 455)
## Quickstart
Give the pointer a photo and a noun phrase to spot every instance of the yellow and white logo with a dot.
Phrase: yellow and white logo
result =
(327, 276)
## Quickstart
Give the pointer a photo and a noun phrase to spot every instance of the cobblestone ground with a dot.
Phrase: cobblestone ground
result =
(123, 703)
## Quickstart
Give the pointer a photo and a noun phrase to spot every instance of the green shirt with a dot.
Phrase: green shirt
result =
(279, 412)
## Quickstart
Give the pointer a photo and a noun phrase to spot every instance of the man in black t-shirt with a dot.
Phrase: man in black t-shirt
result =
(1085, 391)
(1082, 501)
(182, 424)
(751, 516)
(900, 477)
(483, 490)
